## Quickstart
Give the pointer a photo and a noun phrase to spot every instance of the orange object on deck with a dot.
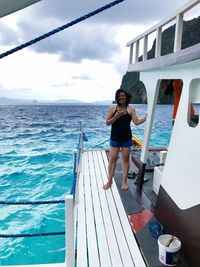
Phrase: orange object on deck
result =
(137, 141)
(178, 84)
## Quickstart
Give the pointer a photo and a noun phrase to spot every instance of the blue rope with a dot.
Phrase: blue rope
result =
(31, 235)
(61, 28)
(31, 202)
(156, 229)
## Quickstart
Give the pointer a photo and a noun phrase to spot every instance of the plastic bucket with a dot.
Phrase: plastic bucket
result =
(169, 247)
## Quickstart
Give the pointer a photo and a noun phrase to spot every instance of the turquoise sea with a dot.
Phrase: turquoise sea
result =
(36, 144)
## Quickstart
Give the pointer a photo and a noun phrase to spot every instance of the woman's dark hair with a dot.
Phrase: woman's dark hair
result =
(128, 96)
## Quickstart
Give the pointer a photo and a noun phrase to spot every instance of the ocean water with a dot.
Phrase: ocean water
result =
(36, 144)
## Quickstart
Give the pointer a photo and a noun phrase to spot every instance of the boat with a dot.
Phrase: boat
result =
(177, 204)
(116, 228)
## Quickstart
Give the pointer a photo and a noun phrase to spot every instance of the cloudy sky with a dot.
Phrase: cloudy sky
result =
(85, 62)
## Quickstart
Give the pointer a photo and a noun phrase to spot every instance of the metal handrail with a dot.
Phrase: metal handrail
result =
(178, 15)
(71, 201)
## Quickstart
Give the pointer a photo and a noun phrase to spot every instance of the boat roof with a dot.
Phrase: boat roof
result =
(10, 6)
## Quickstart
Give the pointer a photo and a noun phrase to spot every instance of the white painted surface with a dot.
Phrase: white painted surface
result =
(98, 211)
(181, 176)
(82, 258)
(89, 214)
(69, 230)
(130, 238)
(178, 15)
(157, 177)
(109, 237)
(108, 221)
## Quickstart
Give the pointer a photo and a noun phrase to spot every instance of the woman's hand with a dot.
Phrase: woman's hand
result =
(119, 113)
(112, 118)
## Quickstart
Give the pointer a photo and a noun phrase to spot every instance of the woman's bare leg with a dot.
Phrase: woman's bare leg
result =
(126, 165)
(113, 156)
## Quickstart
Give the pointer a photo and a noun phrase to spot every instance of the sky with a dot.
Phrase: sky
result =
(85, 62)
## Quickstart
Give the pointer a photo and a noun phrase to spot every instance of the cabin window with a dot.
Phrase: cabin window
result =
(194, 103)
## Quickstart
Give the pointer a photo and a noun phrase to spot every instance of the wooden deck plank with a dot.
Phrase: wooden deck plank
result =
(104, 235)
(130, 238)
(93, 255)
(100, 226)
(82, 260)
(110, 233)
(117, 224)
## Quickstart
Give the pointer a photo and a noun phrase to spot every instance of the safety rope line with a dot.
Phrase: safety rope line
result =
(31, 202)
(31, 235)
(101, 143)
(61, 28)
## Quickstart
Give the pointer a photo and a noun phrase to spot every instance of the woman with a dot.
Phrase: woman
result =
(120, 117)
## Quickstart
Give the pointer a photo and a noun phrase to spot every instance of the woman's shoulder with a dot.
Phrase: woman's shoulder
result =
(112, 108)
(130, 109)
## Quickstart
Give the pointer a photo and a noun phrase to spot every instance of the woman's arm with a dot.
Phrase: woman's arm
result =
(135, 118)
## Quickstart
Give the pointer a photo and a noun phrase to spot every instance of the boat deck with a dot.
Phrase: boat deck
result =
(139, 206)
(104, 233)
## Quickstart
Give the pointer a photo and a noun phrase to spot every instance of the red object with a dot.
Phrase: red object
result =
(139, 220)
(178, 84)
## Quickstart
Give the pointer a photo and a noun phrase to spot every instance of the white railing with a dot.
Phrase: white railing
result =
(178, 16)
(71, 206)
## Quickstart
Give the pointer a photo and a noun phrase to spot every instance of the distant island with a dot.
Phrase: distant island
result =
(16, 101)
(131, 82)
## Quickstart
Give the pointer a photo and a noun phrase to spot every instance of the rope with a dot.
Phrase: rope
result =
(101, 143)
(31, 202)
(31, 235)
(61, 28)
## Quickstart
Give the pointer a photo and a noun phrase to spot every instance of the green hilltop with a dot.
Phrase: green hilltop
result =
(130, 81)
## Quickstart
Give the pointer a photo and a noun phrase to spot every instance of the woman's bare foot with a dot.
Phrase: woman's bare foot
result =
(107, 185)
(124, 186)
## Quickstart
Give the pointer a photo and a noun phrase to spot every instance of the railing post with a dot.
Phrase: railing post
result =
(158, 42)
(75, 159)
(69, 231)
(131, 54)
(145, 47)
(137, 46)
(81, 142)
(178, 32)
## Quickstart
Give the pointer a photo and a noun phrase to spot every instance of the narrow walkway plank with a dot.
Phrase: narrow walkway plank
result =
(90, 223)
(122, 242)
(82, 260)
(109, 229)
(132, 243)
(100, 225)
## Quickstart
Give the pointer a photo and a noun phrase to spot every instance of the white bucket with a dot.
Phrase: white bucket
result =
(169, 247)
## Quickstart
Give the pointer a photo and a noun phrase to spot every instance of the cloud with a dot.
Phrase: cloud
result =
(86, 61)
(25, 93)
(86, 41)
(8, 36)
(82, 76)
(91, 39)
(129, 11)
